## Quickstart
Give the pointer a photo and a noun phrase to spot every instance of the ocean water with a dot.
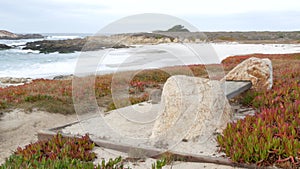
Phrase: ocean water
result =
(27, 63)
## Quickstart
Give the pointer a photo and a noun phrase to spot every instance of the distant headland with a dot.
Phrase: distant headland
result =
(9, 35)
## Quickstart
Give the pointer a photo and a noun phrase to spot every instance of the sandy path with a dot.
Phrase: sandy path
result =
(18, 128)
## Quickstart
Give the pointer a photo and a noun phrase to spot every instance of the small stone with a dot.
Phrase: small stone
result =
(184, 140)
(63, 77)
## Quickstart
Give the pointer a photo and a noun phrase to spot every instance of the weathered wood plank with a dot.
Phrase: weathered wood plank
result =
(149, 151)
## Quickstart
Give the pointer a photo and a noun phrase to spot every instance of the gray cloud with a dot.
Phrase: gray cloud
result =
(63, 16)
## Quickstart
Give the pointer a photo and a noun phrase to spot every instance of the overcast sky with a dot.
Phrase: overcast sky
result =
(89, 16)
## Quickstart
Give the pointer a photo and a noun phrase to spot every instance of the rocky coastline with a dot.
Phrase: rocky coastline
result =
(127, 40)
(71, 45)
(102, 42)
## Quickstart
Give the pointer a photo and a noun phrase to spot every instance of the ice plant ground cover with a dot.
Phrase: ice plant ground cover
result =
(271, 136)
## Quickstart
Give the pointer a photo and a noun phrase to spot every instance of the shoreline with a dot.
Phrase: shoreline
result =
(133, 58)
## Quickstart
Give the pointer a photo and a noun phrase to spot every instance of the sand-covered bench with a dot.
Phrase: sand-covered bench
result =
(192, 110)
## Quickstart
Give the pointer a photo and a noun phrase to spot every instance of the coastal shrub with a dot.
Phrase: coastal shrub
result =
(116, 163)
(272, 135)
(226, 38)
(159, 164)
(37, 97)
(247, 98)
(3, 104)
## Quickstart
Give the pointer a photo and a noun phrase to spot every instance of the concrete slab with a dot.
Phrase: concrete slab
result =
(234, 88)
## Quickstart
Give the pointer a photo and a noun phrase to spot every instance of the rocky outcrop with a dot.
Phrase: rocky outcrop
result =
(63, 77)
(145, 38)
(71, 45)
(126, 40)
(258, 71)
(5, 34)
(30, 36)
(61, 46)
(159, 37)
(194, 107)
(9, 35)
(3, 47)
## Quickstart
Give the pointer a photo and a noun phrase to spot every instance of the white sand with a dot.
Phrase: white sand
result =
(171, 54)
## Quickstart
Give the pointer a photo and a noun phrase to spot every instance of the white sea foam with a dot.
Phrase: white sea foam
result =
(61, 37)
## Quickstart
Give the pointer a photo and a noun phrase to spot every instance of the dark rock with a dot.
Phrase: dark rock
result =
(30, 36)
(71, 45)
(178, 28)
(3, 47)
(61, 46)
(63, 77)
